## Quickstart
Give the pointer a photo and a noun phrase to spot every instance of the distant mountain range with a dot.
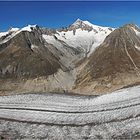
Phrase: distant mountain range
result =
(83, 58)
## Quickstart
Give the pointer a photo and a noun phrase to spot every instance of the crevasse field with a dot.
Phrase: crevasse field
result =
(65, 117)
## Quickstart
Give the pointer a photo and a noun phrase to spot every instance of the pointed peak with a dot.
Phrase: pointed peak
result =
(77, 22)
(80, 22)
(131, 25)
(83, 22)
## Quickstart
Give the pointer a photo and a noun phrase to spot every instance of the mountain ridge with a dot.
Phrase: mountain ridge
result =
(116, 58)
(82, 58)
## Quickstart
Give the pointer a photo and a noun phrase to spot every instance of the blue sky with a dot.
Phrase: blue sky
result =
(61, 14)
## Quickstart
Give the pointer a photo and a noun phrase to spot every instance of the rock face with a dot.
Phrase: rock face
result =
(83, 58)
(25, 56)
(115, 63)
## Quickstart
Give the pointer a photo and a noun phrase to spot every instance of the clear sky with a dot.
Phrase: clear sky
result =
(61, 14)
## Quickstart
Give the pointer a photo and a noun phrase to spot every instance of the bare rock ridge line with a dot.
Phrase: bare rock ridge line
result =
(83, 58)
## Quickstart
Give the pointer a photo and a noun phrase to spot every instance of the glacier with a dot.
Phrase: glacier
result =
(115, 115)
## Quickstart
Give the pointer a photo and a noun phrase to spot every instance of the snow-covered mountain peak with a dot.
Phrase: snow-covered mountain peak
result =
(86, 25)
(6, 36)
(81, 23)
(28, 28)
(81, 35)
(14, 31)
(77, 22)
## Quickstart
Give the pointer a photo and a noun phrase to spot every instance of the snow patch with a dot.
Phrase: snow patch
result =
(14, 29)
(83, 39)
(34, 46)
(3, 34)
(9, 37)
(96, 27)
(138, 48)
(137, 32)
(28, 28)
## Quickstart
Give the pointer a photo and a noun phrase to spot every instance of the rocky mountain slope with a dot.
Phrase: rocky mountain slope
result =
(115, 63)
(82, 58)
(24, 55)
